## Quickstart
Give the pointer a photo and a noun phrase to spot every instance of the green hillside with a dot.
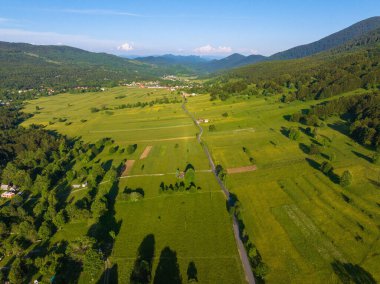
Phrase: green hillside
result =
(31, 66)
(330, 41)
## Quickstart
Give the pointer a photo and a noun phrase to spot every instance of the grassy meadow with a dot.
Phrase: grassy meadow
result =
(196, 227)
(304, 224)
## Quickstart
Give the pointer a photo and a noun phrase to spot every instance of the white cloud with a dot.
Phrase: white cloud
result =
(99, 12)
(125, 47)
(209, 49)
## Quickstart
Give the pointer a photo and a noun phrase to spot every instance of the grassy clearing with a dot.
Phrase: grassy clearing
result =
(300, 220)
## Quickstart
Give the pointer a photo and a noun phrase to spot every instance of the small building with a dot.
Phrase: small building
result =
(81, 185)
(13, 188)
(203, 120)
(181, 175)
(4, 187)
(8, 194)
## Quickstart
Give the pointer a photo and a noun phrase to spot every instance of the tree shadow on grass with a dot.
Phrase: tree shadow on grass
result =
(107, 223)
(142, 269)
(130, 190)
(110, 275)
(313, 164)
(352, 273)
(284, 131)
(340, 127)
(189, 166)
(374, 182)
(192, 272)
(168, 268)
(360, 155)
(304, 148)
(107, 165)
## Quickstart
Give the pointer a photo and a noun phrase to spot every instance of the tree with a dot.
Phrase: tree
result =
(326, 167)
(189, 177)
(93, 263)
(99, 207)
(60, 219)
(261, 270)
(16, 274)
(332, 157)
(27, 230)
(314, 149)
(294, 133)
(3, 228)
(131, 148)
(346, 179)
(212, 128)
(375, 158)
(45, 231)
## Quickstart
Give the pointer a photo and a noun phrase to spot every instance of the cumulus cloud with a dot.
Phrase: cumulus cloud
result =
(208, 49)
(125, 47)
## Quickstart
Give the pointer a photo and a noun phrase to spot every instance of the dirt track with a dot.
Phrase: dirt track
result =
(146, 152)
(128, 167)
(242, 169)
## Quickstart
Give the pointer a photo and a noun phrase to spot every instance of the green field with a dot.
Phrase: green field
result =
(196, 226)
(303, 224)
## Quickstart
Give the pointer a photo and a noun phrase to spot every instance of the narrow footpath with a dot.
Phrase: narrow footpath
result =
(240, 246)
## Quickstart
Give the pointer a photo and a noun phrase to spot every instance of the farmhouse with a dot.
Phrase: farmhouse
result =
(81, 185)
(203, 120)
(4, 187)
(7, 194)
(9, 187)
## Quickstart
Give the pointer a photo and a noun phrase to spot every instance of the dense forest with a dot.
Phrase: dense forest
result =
(43, 165)
(352, 66)
(362, 113)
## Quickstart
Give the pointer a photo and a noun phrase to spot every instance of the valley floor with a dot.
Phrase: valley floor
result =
(307, 228)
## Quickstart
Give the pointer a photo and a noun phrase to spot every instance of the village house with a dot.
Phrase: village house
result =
(9, 187)
(8, 194)
(4, 187)
(203, 120)
(81, 185)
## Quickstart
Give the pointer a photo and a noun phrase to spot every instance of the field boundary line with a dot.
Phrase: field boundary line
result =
(138, 129)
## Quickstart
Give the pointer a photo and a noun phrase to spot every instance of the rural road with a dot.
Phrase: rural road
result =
(240, 246)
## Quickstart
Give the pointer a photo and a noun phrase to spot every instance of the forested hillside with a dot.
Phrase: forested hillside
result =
(354, 65)
(24, 66)
(331, 41)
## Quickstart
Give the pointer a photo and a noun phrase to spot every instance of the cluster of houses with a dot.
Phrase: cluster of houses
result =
(10, 190)
(2, 103)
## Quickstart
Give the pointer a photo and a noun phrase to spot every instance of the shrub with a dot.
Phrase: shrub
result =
(326, 167)
(345, 179)
(131, 148)
(212, 128)
(294, 133)
(314, 149)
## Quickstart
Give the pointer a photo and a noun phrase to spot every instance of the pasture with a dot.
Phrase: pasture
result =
(195, 226)
(304, 225)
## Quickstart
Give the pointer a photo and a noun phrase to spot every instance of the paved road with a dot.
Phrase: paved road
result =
(240, 246)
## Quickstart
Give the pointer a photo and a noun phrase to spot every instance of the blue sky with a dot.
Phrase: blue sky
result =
(203, 27)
